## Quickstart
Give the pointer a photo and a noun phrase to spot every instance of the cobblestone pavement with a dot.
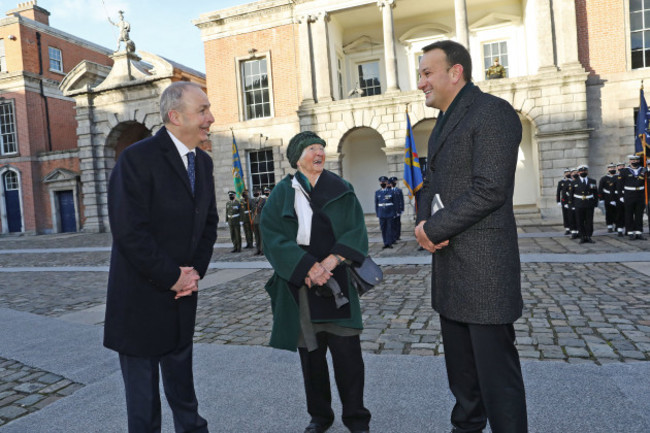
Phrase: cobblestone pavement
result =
(576, 313)
(24, 389)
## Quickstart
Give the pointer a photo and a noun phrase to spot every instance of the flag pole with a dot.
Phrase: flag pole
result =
(248, 203)
(645, 166)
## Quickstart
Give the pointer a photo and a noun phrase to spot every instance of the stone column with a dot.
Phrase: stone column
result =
(390, 60)
(564, 12)
(462, 31)
(322, 58)
(545, 46)
(305, 58)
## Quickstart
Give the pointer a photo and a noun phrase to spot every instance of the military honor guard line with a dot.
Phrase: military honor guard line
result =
(622, 192)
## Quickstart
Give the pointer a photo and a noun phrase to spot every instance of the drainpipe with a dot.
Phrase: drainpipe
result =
(47, 110)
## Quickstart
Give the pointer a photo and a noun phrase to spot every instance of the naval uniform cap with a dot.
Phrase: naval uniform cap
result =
(567, 170)
(393, 179)
(635, 157)
(231, 192)
(266, 188)
(583, 167)
(620, 163)
(383, 179)
(611, 164)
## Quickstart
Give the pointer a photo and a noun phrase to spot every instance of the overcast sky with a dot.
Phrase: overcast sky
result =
(162, 27)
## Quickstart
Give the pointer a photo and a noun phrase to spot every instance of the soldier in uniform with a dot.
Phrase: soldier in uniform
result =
(607, 193)
(258, 204)
(631, 188)
(385, 209)
(620, 206)
(562, 199)
(399, 198)
(584, 194)
(573, 222)
(495, 71)
(233, 217)
(247, 218)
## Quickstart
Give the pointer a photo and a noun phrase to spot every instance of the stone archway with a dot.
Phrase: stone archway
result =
(125, 134)
(363, 160)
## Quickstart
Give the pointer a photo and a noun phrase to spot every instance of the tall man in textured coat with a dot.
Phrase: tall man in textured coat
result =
(163, 216)
(475, 283)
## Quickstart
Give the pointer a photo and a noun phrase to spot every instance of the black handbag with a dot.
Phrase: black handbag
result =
(366, 276)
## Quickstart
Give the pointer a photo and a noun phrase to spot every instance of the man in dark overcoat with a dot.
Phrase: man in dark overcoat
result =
(163, 218)
(475, 284)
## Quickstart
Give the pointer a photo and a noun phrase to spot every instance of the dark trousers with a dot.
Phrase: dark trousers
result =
(485, 377)
(585, 221)
(396, 228)
(620, 215)
(385, 224)
(610, 213)
(349, 374)
(141, 377)
(565, 216)
(572, 219)
(258, 237)
(634, 215)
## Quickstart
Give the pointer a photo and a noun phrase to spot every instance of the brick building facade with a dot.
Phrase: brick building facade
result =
(39, 166)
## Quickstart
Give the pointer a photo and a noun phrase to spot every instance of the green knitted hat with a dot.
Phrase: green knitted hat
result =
(298, 144)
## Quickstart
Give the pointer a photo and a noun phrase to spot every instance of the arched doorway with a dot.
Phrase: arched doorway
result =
(363, 161)
(12, 215)
(527, 175)
(125, 134)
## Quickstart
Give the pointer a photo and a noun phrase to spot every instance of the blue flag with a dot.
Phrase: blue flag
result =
(641, 135)
(237, 171)
(412, 171)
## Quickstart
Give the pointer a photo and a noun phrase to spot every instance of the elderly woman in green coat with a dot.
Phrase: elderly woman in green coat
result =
(312, 227)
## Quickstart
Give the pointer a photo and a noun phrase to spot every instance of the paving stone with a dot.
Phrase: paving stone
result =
(12, 412)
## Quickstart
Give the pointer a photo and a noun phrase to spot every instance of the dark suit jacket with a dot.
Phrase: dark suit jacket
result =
(157, 226)
(476, 279)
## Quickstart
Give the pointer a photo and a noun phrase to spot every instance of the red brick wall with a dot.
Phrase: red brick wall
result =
(72, 54)
(222, 70)
(602, 35)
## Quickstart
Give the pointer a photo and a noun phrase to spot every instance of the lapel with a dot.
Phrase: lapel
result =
(174, 159)
(456, 115)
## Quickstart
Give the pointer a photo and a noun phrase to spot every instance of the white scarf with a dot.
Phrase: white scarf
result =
(303, 211)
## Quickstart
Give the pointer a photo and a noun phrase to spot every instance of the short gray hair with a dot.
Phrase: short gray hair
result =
(172, 97)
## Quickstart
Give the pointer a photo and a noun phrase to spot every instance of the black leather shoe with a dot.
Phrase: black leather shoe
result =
(317, 428)
(640, 237)
(249, 246)
(632, 237)
(591, 241)
(620, 234)
(574, 236)
(234, 250)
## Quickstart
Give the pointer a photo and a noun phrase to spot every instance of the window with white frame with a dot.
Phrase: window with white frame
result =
(493, 51)
(3, 59)
(8, 143)
(255, 87)
(369, 78)
(11, 181)
(56, 59)
(640, 33)
(261, 168)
